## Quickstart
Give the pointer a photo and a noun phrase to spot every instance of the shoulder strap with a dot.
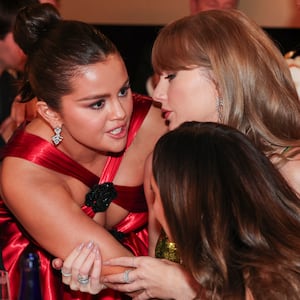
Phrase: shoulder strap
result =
(43, 153)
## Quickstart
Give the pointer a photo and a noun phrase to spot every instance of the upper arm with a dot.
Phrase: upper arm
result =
(45, 208)
(153, 127)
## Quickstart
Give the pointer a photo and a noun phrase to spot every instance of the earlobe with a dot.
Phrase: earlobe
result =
(48, 114)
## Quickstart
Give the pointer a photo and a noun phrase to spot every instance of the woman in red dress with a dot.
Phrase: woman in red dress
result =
(90, 129)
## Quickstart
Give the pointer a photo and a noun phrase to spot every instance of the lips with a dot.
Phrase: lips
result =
(118, 132)
(165, 114)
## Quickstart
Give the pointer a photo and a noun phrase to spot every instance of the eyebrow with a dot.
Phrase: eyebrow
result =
(97, 96)
(93, 97)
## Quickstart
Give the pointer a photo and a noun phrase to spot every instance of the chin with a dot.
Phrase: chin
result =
(118, 149)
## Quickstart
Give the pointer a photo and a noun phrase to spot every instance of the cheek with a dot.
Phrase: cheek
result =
(84, 123)
(129, 106)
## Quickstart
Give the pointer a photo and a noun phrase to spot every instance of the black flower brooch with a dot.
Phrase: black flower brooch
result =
(100, 196)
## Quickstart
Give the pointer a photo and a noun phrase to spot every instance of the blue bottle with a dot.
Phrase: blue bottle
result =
(30, 285)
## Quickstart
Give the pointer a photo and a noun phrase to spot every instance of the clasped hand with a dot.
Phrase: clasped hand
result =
(144, 277)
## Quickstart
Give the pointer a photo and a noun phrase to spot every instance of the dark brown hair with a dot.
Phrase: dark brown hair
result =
(234, 218)
(8, 12)
(58, 51)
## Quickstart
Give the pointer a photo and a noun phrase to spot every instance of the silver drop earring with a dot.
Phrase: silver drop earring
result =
(57, 138)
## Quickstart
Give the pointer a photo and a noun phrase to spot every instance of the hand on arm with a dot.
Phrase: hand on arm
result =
(86, 261)
(153, 278)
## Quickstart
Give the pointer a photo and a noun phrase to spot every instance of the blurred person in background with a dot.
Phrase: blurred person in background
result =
(202, 5)
(12, 62)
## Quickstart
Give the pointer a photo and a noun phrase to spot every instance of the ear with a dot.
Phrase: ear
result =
(49, 115)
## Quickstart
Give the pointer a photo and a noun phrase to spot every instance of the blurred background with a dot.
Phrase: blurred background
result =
(133, 24)
(270, 13)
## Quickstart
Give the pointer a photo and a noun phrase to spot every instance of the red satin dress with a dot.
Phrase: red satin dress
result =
(133, 229)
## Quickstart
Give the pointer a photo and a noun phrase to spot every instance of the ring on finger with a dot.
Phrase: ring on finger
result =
(65, 274)
(126, 276)
(82, 280)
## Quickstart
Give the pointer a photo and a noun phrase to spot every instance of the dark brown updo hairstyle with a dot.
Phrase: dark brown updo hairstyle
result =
(57, 51)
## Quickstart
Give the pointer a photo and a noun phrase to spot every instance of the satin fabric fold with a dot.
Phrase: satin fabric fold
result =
(14, 239)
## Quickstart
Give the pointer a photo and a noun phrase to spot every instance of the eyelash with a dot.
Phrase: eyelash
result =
(99, 104)
(170, 77)
(124, 90)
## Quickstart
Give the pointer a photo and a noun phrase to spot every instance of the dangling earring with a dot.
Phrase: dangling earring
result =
(57, 138)
(219, 105)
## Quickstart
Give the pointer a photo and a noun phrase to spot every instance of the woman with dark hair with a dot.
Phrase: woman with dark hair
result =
(233, 217)
(90, 129)
(229, 211)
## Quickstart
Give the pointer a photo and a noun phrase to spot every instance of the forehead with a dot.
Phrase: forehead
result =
(113, 63)
(108, 73)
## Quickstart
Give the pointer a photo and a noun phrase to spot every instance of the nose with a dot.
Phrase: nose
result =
(118, 110)
(160, 91)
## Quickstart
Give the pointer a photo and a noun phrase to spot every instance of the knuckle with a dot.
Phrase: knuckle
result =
(75, 269)
(74, 286)
(82, 271)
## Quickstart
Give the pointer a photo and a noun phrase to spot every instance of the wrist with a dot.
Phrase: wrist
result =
(186, 285)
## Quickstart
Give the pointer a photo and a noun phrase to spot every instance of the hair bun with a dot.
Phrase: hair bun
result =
(33, 22)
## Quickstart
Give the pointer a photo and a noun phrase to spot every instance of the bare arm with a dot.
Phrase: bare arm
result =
(156, 278)
(44, 204)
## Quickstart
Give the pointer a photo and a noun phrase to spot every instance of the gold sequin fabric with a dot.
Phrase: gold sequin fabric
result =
(166, 249)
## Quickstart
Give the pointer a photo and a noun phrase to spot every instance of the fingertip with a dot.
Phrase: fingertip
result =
(78, 248)
(97, 253)
(56, 264)
(90, 245)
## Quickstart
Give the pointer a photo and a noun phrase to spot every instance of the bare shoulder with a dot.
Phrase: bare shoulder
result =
(21, 179)
(153, 126)
(131, 171)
